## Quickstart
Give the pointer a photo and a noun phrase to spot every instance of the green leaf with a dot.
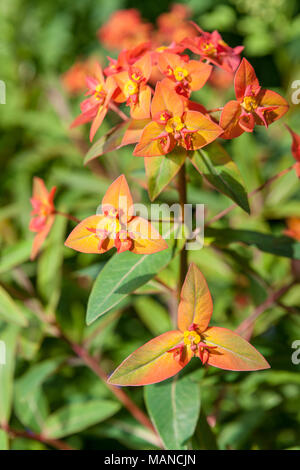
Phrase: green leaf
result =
(32, 409)
(219, 169)
(36, 375)
(8, 335)
(174, 407)
(9, 309)
(204, 438)
(280, 246)
(49, 263)
(107, 143)
(4, 442)
(123, 274)
(76, 417)
(14, 255)
(161, 170)
(153, 314)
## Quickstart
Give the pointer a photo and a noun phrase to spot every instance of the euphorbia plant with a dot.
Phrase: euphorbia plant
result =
(150, 89)
(166, 355)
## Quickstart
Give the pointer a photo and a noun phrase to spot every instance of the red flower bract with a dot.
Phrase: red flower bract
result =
(116, 226)
(96, 106)
(42, 214)
(253, 105)
(174, 124)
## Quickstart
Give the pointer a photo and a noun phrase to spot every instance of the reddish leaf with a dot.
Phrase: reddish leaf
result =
(245, 76)
(232, 352)
(151, 363)
(196, 304)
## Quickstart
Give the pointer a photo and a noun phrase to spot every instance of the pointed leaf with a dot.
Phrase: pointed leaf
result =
(152, 362)
(232, 352)
(174, 407)
(84, 240)
(121, 275)
(245, 76)
(196, 304)
(9, 309)
(118, 196)
(9, 335)
(161, 170)
(280, 246)
(76, 417)
(33, 378)
(146, 239)
(14, 255)
(221, 171)
(108, 142)
(204, 437)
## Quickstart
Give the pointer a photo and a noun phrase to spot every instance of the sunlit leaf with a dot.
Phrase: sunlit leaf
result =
(151, 363)
(161, 170)
(232, 352)
(196, 303)
(107, 143)
(214, 163)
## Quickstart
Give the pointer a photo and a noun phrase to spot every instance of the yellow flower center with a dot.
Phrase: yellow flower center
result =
(99, 92)
(131, 88)
(209, 48)
(249, 103)
(174, 124)
(191, 337)
(164, 116)
(113, 226)
(161, 48)
(180, 74)
(136, 76)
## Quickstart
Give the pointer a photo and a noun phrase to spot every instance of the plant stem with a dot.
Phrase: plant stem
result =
(56, 443)
(182, 201)
(273, 298)
(68, 216)
(92, 363)
(118, 111)
(255, 191)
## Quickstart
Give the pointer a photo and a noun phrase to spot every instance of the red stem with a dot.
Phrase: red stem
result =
(134, 410)
(68, 216)
(255, 191)
(120, 113)
(56, 443)
(273, 298)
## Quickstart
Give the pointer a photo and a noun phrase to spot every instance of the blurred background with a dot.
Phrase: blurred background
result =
(39, 42)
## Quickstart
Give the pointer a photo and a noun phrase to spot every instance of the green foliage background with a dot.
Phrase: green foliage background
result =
(43, 386)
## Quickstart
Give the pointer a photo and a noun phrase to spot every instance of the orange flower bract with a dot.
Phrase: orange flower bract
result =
(253, 105)
(173, 124)
(95, 107)
(43, 214)
(116, 226)
(165, 355)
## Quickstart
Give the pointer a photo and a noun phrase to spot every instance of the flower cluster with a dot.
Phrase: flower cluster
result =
(153, 83)
(150, 86)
